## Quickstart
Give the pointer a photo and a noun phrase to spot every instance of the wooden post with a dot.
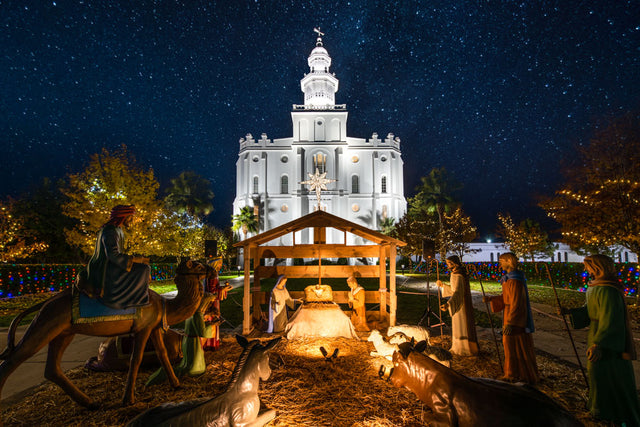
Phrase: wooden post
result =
(383, 282)
(392, 285)
(246, 300)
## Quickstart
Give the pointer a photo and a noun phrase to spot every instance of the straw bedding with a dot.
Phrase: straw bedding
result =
(304, 388)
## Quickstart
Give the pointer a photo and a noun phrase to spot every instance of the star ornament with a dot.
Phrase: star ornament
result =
(318, 182)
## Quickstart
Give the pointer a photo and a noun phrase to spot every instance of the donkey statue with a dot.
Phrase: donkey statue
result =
(53, 325)
(457, 400)
(238, 406)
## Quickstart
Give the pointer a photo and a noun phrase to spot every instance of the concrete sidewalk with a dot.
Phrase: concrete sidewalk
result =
(31, 373)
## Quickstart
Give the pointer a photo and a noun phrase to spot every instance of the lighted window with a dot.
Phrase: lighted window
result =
(255, 184)
(320, 162)
(383, 184)
(355, 184)
(284, 184)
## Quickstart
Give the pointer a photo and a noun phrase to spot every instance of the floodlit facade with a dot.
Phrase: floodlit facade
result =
(368, 173)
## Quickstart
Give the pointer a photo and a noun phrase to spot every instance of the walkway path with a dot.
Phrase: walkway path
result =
(550, 336)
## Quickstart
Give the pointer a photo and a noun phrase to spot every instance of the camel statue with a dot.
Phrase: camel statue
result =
(52, 325)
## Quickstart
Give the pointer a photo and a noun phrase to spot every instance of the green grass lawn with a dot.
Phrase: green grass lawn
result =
(410, 307)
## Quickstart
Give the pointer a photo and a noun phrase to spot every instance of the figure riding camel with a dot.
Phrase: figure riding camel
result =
(117, 279)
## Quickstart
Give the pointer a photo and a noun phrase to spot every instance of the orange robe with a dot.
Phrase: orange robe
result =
(520, 359)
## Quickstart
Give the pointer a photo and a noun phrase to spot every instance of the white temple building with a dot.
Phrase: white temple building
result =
(363, 177)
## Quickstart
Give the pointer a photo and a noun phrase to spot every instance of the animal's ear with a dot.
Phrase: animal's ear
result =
(420, 347)
(272, 343)
(404, 349)
(189, 264)
(242, 341)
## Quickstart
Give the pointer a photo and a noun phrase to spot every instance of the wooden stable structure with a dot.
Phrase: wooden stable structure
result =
(381, 247)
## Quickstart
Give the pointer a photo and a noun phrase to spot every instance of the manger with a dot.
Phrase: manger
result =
(269, 246)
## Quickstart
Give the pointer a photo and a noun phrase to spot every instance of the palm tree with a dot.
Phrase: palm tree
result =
(190, 193)
(245, 220)
(436, 193)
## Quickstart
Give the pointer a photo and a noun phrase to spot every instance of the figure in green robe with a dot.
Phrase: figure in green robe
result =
(612, 385)
(192, 363)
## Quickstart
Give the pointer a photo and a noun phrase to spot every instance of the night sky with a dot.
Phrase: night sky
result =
(496, 91)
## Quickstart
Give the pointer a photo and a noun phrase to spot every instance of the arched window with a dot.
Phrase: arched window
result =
(284, 184)
(355, 184)
(255, 185)
(384, 185)
(320, 162)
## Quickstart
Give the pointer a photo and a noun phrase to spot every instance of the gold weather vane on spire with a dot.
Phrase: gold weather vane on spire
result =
(320, 34)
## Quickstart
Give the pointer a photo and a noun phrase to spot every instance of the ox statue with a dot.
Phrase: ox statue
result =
(457, 400)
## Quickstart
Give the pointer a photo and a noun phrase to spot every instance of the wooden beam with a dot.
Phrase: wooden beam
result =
(313, 271)
(393, 306)
(313, 251)
(383, 282)
(246, 300)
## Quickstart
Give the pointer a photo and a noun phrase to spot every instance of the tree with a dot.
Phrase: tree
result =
(15, 242)
(387, 225)
(110, 179)
(245, 221)
(40, 210)
(457, 232)
(599, 204)
(414, 227)
(225, 242)
(183, 235)
(436, 194)
(527, 239)
(190, 193)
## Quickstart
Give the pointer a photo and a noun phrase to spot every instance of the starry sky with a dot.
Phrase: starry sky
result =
(498, 92)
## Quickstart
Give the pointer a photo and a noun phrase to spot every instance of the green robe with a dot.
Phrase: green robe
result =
(192, 363)
(612, 385)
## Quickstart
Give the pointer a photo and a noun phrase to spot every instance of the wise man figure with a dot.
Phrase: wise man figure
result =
(517, 322)
(121, 280)
(356, 302)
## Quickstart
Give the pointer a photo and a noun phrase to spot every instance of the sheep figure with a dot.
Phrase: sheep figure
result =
(383, 348)
(418, 333)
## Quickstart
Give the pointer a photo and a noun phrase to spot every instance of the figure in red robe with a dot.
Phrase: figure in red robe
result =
(212, 286)
(517, 324)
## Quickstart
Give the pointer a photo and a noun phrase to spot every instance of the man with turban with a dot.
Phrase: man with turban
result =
(122, 280)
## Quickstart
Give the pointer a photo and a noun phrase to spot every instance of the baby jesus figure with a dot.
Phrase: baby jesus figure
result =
(318, 293)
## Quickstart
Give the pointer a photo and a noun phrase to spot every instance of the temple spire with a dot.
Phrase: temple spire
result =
(319, 86)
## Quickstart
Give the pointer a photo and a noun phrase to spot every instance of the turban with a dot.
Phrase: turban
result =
(122, 211)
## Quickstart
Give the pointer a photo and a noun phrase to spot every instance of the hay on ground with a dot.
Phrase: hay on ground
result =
(304, 388)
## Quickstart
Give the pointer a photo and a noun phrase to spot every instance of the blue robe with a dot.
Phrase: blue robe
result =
(122, 283)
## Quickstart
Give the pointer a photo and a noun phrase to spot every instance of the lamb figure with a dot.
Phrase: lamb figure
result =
(383, 348)
(418, 333)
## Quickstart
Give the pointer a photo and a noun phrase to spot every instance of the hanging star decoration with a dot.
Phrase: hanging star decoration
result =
(318, 182)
